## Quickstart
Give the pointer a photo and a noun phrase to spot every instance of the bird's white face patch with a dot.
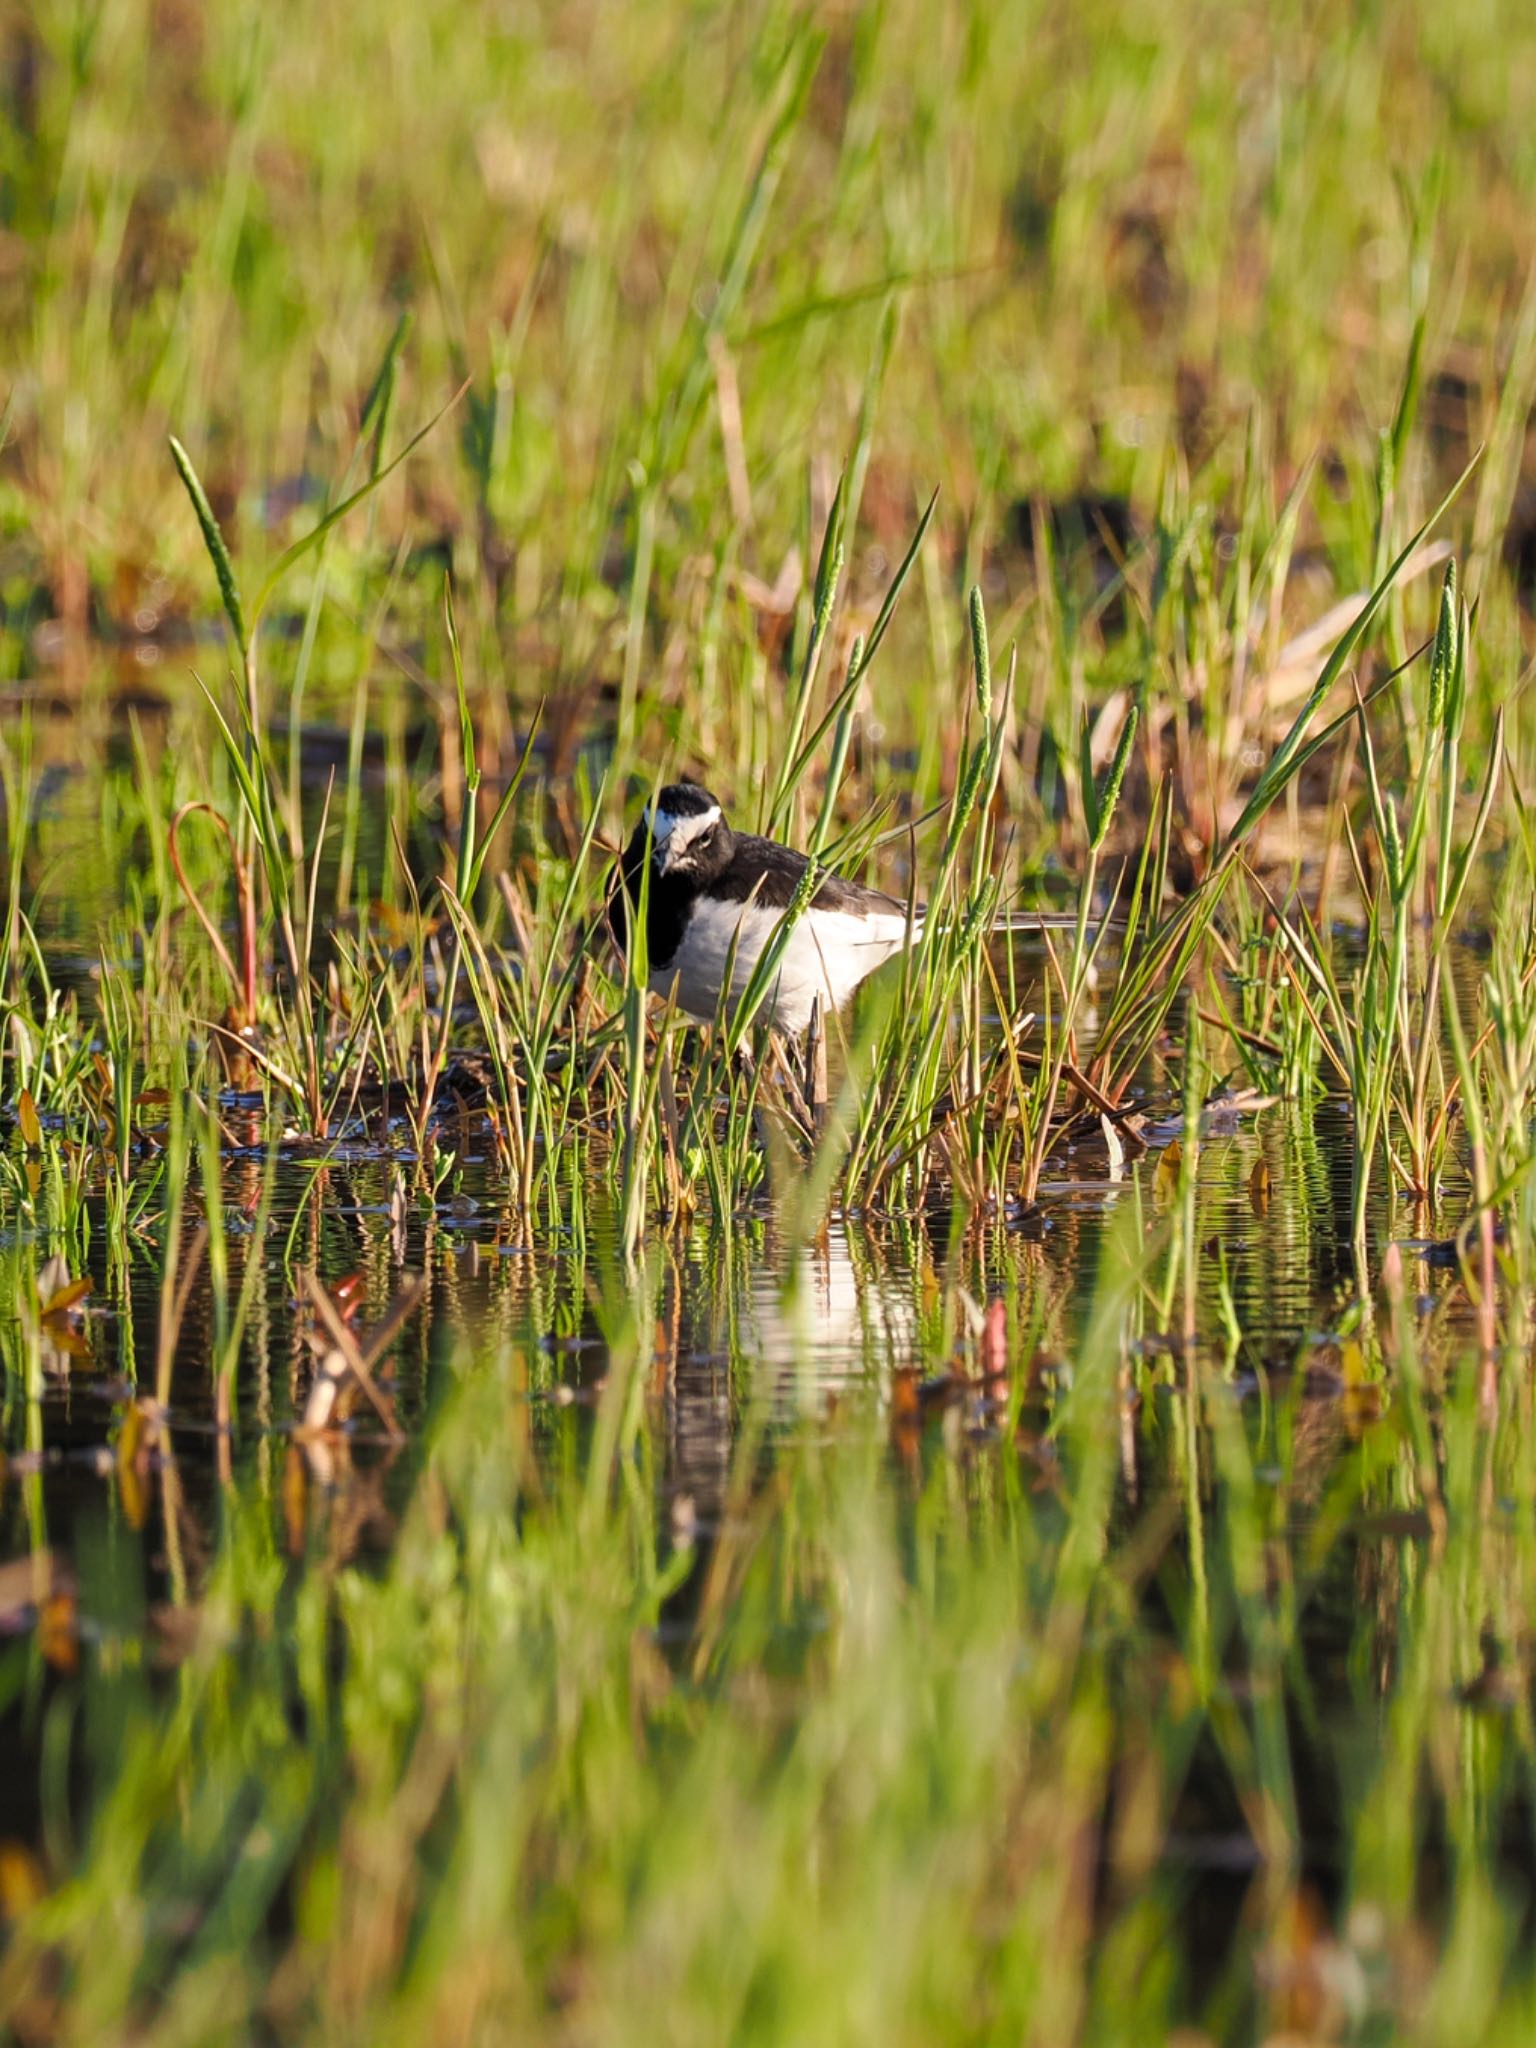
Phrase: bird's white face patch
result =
(677, 834)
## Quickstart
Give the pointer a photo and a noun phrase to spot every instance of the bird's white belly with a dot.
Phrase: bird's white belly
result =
(828, 954)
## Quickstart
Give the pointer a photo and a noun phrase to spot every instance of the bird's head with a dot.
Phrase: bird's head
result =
(688, 833)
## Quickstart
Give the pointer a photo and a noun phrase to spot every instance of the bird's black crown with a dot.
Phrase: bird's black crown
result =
(684, 800)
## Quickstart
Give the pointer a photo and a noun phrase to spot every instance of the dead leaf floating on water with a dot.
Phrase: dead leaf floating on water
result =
(1259, 1188)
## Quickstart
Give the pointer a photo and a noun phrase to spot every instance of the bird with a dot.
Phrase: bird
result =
(712, 890)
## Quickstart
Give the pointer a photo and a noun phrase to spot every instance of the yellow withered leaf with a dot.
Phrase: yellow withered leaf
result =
(27, 1117)
(1165, 1181)
(60, 1303)
(136, 1438)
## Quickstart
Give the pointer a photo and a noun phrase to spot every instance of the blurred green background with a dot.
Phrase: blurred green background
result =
(694, 258)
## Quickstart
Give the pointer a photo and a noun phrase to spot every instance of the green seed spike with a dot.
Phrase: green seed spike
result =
(982, 653)
(1442, 663)
(1392, 846)
(830, 568)
(842, 739)
(1109, 790)
(1085, 781)
(213, 540)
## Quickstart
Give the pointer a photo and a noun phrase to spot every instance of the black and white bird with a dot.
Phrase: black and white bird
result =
(712, 889)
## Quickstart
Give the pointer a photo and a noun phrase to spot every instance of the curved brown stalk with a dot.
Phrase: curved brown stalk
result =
(243, 979)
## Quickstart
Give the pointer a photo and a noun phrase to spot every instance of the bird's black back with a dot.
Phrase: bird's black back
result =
(770, 874)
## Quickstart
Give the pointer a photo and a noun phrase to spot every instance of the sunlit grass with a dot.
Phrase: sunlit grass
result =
(559, 401)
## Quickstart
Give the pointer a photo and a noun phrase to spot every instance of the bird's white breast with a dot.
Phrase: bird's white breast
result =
(828, 954)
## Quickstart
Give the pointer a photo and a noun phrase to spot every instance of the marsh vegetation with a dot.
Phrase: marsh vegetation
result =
(525, 1516)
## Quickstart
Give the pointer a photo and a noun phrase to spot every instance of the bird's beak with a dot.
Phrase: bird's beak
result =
(667, 854)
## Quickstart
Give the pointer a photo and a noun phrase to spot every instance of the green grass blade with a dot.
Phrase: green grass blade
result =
(213, 540)
(508, 798)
